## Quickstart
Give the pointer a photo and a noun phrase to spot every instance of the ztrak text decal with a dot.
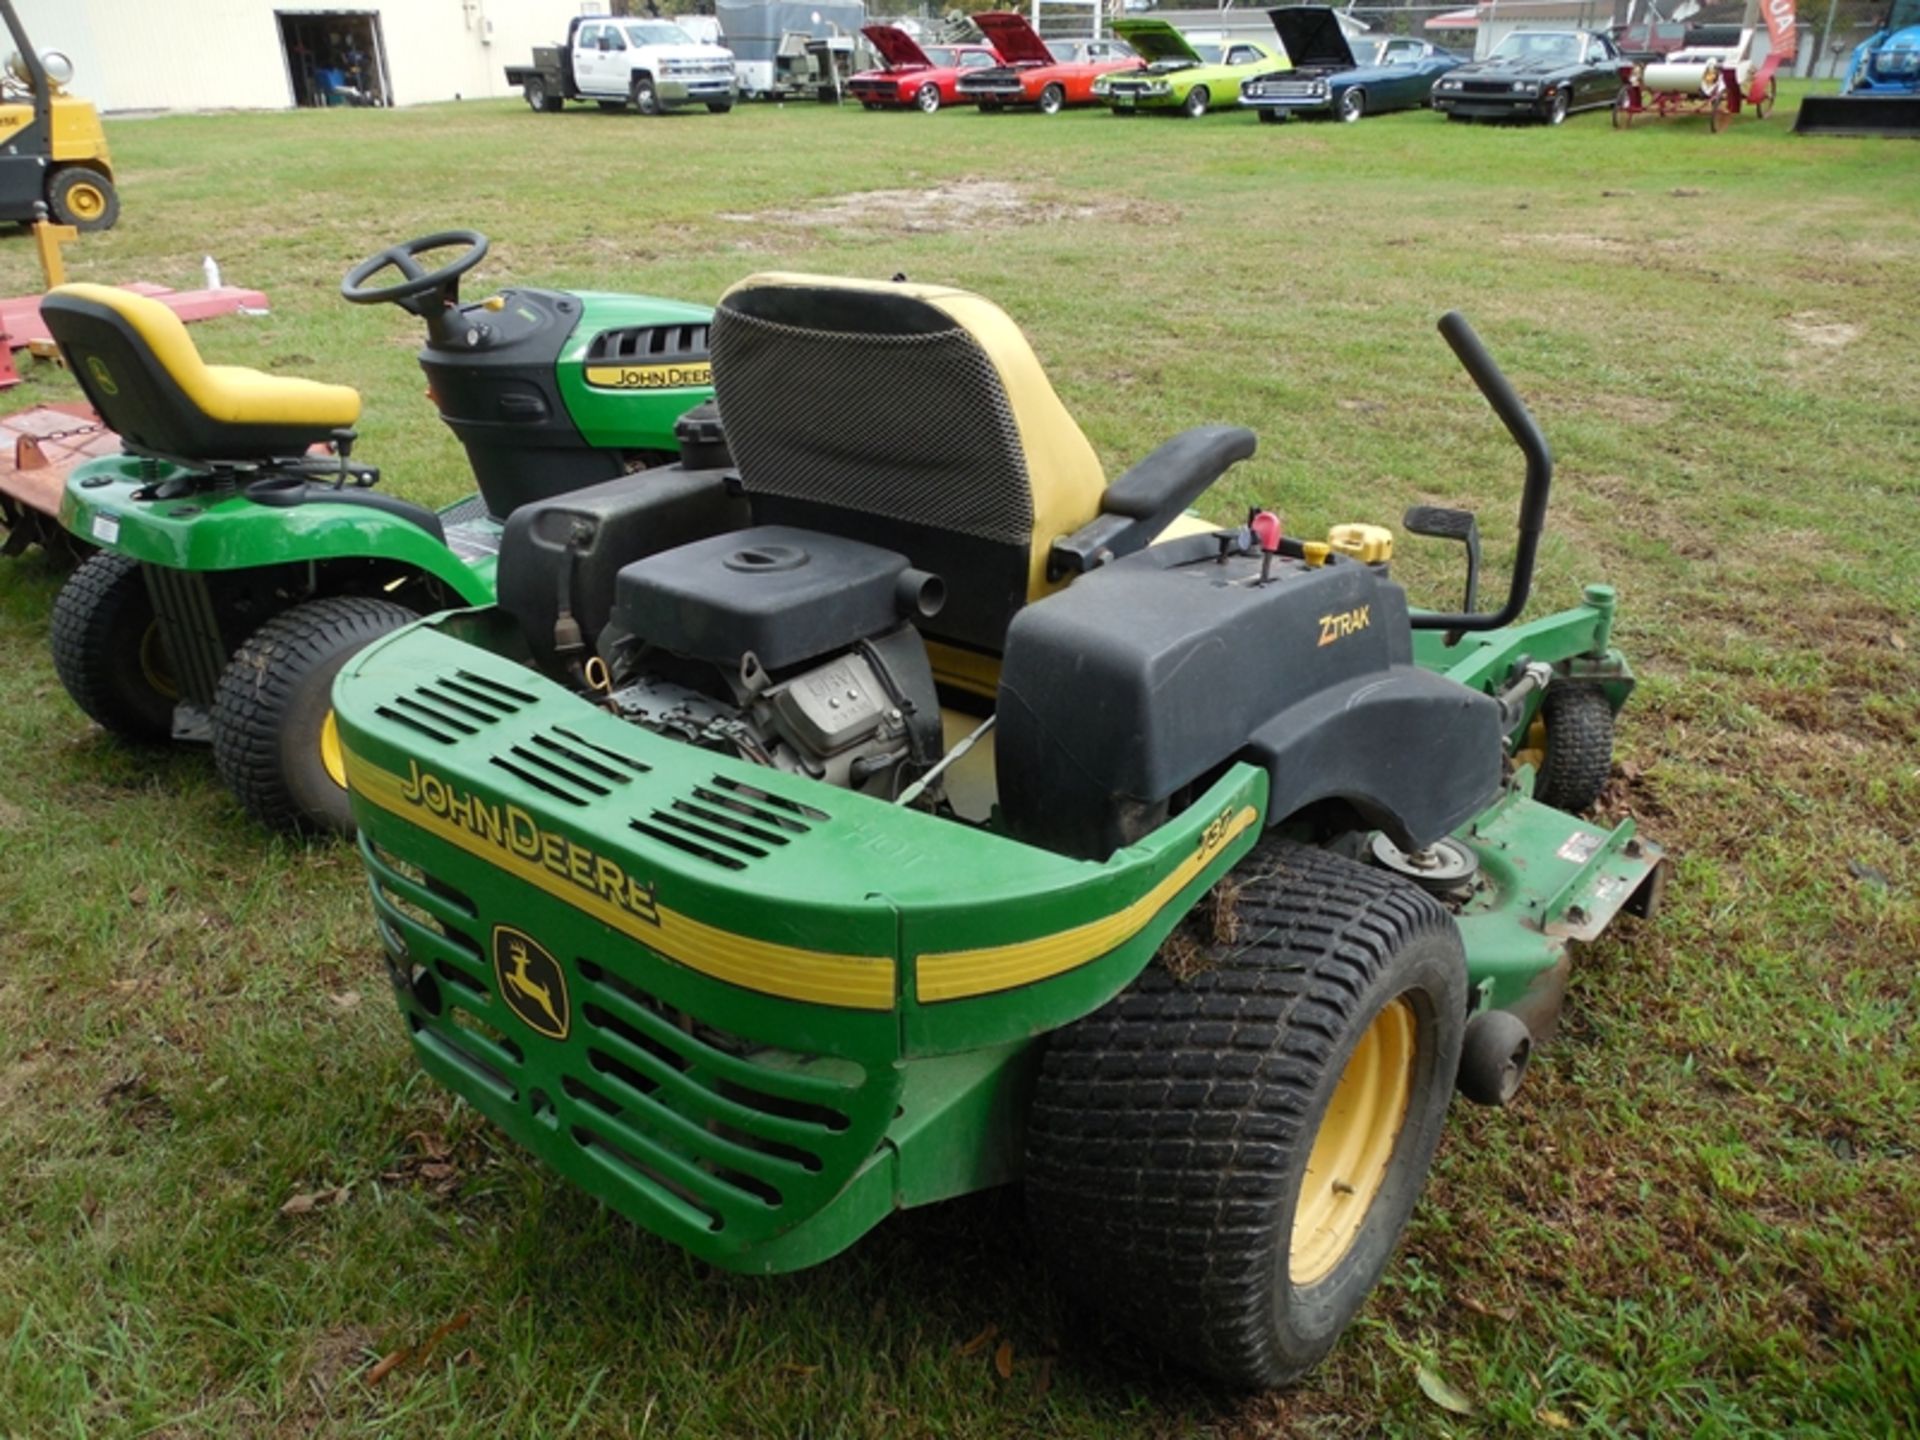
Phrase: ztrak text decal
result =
(1347, 622)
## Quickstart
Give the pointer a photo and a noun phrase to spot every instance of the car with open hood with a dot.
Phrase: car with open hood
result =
(1048, 75)
(910, 74)
(1341, 76)
(1181, 74)
(1542, 75)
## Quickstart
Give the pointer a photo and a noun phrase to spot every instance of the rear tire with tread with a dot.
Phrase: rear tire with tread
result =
(273, 703)
(106, 649)
(1170, 1132)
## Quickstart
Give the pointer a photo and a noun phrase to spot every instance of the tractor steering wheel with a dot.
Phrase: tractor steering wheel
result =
(418, 281)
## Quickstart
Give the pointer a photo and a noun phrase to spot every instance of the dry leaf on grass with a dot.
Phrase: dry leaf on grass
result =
(316, 1200)
(978, 1342)
(1435, 1387)
(1507, 1313)
(1552, 1419)
(386, 1365)
(1003, 1360)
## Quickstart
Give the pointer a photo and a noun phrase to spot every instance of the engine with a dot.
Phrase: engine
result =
(791, 648)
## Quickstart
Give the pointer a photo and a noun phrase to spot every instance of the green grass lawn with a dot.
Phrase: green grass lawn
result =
(1700, 1216)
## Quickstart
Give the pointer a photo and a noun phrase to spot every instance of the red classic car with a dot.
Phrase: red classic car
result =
(1049, 76)
(927, 78)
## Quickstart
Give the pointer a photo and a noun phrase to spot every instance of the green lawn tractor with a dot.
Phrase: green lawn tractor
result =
(935, 813)
(245, 554)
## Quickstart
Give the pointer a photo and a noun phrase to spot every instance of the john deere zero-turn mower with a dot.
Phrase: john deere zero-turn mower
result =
(920, 824)
(237, 569)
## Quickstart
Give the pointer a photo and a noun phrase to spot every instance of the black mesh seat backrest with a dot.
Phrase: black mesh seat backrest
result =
(883, 413)
(141, 371)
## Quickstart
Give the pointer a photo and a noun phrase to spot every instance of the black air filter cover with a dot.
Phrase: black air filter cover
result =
(785, 594)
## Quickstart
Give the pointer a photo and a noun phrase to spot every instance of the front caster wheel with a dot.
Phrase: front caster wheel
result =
(1570, 744)
(275, 743)
(108, 652)
(1493, 1059)
(1224, 1164)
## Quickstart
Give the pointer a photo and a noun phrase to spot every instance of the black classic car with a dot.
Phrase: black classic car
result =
(1535, 75)
(1341, 75)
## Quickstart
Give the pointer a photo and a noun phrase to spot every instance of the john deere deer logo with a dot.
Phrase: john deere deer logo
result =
(531, 982)
(103, 377)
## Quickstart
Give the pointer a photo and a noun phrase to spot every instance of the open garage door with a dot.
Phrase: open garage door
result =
(334, 57)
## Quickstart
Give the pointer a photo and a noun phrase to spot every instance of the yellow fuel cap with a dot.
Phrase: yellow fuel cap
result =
(1370, 544)
(494, 302)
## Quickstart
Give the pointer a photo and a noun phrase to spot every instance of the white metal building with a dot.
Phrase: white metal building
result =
(274, 54)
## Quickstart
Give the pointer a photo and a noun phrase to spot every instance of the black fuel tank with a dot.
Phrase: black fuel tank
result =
(1148, 674)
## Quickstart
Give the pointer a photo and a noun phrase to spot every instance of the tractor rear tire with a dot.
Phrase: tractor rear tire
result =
(83, 198)
(108, 652)
(1578, 754)
(1224, 1164)
(274, 741)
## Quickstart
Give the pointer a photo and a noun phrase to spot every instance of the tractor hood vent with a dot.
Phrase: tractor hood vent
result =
(559, 763)
(649, 342)
(454, 706)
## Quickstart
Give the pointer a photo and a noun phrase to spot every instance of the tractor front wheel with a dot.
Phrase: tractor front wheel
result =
(1571, 743)
(1223, 1157)
(1763, 102)
(108, 652)
(82, 198)
(275, 742)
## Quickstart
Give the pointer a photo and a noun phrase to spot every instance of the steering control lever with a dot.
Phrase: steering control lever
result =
(1520, 424)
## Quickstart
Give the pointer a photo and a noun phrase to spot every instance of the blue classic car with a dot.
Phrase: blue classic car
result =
(1392, 72)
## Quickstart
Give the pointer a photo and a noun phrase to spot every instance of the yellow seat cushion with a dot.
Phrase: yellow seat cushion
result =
(228, 394)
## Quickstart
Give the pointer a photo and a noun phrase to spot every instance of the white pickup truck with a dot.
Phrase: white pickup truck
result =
(652, 65)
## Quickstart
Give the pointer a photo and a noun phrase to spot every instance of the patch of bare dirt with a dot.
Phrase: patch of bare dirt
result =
(1816, 334)
(965, 204)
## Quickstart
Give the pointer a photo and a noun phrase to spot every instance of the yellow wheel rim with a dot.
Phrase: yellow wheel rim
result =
(87, 202)
(1354, 1145)
(1533, 750)
(332, 760)
(153, 664)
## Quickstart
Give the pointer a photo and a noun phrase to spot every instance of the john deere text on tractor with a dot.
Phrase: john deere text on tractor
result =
(921, 824)
(238, 570)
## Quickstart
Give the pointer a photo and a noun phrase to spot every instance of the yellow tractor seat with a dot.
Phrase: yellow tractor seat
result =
(142, 372)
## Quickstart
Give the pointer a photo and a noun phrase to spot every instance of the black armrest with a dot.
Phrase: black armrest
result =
(1144, 501)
